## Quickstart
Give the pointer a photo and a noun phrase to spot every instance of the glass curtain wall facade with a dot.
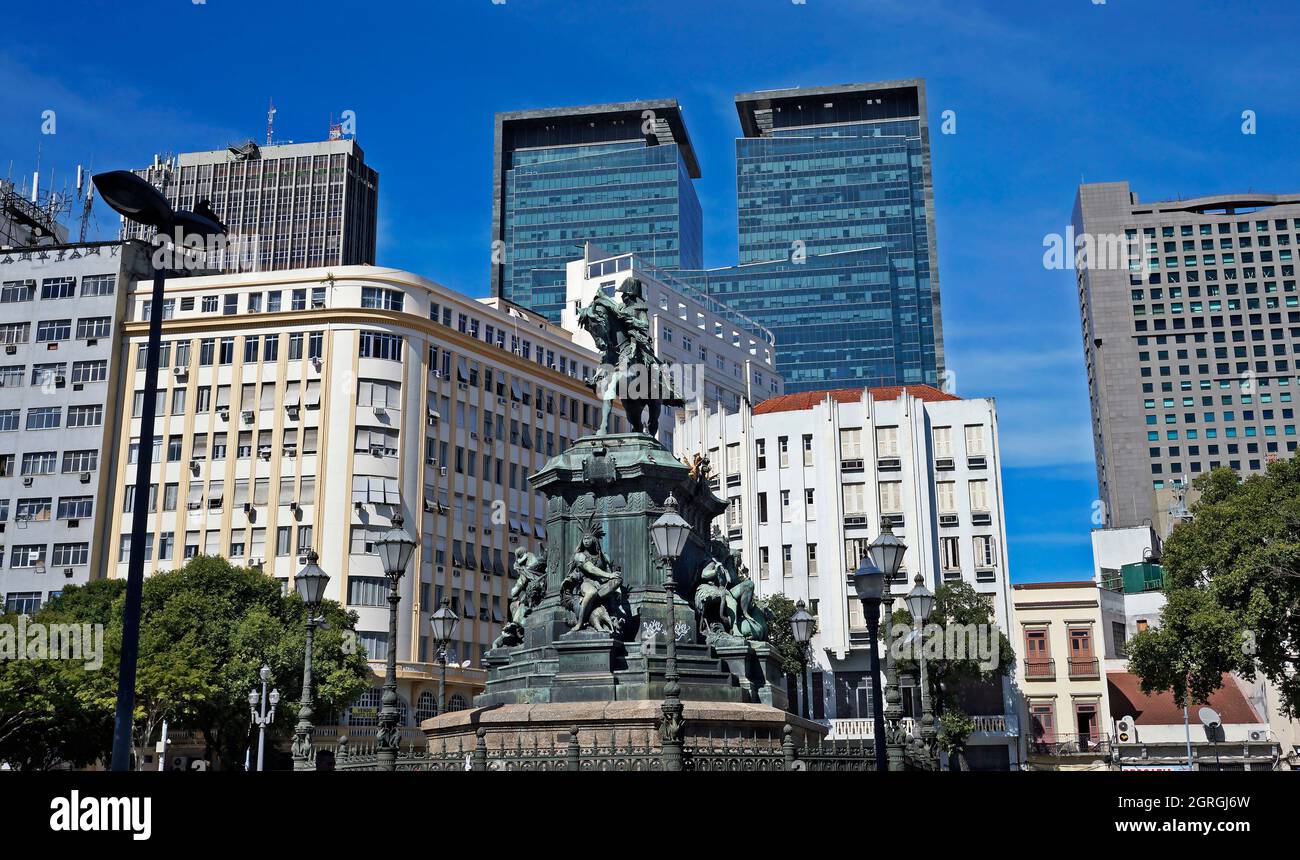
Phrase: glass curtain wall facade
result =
(836, 244)
(618, 176)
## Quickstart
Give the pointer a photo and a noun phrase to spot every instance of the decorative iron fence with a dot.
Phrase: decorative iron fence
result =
(707, 754)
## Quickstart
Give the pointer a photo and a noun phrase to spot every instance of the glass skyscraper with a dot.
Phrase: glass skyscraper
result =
(619, 176)
(836, 245)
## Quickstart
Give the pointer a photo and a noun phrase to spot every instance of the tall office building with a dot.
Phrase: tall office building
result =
(837, 252)
(1191, 329)
(809, 477)
(61, 309)
(619, 175)
(289, 206)
(307, 409)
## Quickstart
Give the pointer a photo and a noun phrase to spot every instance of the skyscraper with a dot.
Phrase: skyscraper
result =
(618, 175)
(291, 206)
(1191, 329)
(836, 250)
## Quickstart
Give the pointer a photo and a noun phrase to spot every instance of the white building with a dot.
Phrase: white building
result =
(810, 476)
(306, 409)
(724, 356)
(60, 315)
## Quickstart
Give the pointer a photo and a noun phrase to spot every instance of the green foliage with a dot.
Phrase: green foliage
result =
(955, 728)
(1232, 577)
(781, 635)
(206, 629)
(957, 603)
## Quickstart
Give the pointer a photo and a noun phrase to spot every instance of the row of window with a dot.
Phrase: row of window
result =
(54, 374)
(29, 556)
(890, 497)
(51, 417)
(47, 463)
(56, 331)
(240, 545)
(851, 446)
(57, 288)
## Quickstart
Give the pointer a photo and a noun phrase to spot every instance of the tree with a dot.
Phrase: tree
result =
(789, 653)
(955, 728)
(780, 635)
(958, 603)
(1232, 579)
(206, 629)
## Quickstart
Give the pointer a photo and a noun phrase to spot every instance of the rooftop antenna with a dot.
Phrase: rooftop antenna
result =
(87, 201)
(270, 120)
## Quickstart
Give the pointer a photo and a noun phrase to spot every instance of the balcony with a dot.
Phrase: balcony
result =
(1083, 668)
(1051, 744)
(1040, 670)
(863, 728)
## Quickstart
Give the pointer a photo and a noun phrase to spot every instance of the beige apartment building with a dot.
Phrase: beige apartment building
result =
(306, 409)
(1061, 676)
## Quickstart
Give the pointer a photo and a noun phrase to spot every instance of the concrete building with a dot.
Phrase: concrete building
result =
(61, 309)
(723, 357)
(619, 175)
(1057, 631)
(1191, 329)
(307, 409)
(809, 477)
(285, 206)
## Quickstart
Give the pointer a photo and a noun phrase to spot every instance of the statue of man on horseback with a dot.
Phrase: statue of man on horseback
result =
(630, 371)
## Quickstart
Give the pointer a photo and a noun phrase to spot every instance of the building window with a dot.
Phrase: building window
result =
(891, 497)
(886, 442)
(985, 556)
(379, 345)
(950, 553)
(783, 451)
(807, 450)
(812, 563)
(979, 496)
(975, 440)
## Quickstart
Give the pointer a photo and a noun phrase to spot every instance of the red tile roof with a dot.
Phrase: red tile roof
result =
(1158, 709)
(809, 399)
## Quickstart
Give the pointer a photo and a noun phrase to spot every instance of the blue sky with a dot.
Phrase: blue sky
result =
(1045, 93)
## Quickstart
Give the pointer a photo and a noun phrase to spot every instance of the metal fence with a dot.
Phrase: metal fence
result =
(751, 753)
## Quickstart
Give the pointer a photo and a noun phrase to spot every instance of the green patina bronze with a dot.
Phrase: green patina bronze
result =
(588, 618)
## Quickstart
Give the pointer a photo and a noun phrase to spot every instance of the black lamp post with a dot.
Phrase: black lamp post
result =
(394, 549)
(670, 533)
(310, 584)
(801, 626)
(920, 602)
(132, 197)
(443, 623)
(869, 582)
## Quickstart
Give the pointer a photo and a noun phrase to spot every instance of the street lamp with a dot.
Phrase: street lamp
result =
(920, 602)
(801, 625)
(394, 549)
(133, 198)
(263, 717)
(443, 623)
(869, 583)
(670, 533)
(310, 584)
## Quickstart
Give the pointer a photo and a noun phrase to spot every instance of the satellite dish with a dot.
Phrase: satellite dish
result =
(1209, 718)
(465, 664)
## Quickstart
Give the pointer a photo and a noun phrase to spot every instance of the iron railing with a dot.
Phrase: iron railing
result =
(1051, 744)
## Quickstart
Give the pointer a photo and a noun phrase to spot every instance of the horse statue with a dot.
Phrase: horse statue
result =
(630, 371)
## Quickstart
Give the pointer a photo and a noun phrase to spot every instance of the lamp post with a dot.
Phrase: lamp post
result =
(869, 583)
(132, 197)
(263, 717)
(443, 623)
(310, 584)
(801, 626)
(670, 533)
(394, 549)
(920, 601)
